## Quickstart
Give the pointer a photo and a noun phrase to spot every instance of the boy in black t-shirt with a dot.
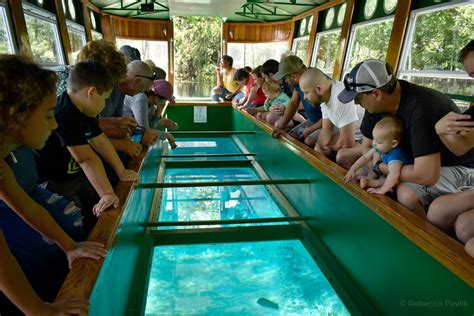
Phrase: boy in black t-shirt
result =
(76, 113)
(436, 171)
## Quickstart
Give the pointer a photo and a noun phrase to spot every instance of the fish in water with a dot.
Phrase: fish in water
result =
(265, 302)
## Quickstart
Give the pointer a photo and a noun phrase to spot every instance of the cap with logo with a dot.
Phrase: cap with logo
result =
(364, 77)
(287, 66)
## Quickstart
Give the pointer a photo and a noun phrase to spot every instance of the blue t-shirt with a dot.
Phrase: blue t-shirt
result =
(396, 155)
(313, 113)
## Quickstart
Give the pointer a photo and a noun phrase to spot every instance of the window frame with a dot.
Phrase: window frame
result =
(48, 17)
(402, 70)
(8, 25)
(354, 28)
(317, 40)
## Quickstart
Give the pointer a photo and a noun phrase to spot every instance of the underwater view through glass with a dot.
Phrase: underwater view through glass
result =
(257, 278)
(216, 202)
(201, 146)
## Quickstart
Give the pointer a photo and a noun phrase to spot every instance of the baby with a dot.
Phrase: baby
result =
(385, 147)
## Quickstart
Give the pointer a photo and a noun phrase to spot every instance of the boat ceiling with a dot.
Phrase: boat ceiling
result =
(229, 10)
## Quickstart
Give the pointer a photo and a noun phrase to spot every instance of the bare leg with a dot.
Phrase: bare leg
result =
(366, 182)
(469, 247)
(408, 198)
(347, 156)
(272, 118)
(464, 226)
(444, 211)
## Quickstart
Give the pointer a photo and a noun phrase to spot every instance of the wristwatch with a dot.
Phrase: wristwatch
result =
(376, 168)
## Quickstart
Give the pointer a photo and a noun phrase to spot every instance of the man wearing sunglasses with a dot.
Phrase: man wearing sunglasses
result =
(436, 171)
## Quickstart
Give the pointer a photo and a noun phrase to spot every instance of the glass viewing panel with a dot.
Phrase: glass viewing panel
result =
(252, 278)
(432, 52)
(215, 202)
(369, 40)
(325, 49)
(6, 44)
(253, 55)
(202, 146)
(44, 37)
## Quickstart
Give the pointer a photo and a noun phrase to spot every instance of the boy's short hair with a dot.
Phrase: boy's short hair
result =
(270, 67)
(392, 127)
(228, 59)
(89, 74)
(241, 74)
(271, 86)
(465, 51)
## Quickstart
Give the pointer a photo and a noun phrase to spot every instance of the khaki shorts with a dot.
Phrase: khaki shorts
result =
(451, 180)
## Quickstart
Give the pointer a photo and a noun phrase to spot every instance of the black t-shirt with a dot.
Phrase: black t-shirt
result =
(420, 108)
(74, 129)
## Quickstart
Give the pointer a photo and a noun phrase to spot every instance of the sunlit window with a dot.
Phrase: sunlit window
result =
(389, 5)
(325, 51)
(340, 15)
(77, 37)
(96, 35)
(256, 54)
(431, 53)
(368, 40)
(300, 47)
(72, 9)
(6, 43)
(43, 35)
(157, 51)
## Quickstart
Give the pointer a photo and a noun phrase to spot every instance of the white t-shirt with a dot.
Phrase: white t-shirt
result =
(341, 114)
(137, 107)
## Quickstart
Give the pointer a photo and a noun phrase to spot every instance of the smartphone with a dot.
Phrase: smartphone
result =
(470, 112)
(137, 134)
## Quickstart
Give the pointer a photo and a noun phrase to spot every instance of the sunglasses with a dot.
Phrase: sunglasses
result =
(152, 78)
(351, 85)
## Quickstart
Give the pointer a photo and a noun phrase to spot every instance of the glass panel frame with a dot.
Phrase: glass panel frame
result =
(43, 16)
(8, 35)
(348, 63)
(77, 37)
(96, 35)
(318, 41)
(447, 81)
(300, 47)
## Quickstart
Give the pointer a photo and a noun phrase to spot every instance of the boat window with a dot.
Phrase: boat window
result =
(430, 57)
(325, 50)
(43, 35)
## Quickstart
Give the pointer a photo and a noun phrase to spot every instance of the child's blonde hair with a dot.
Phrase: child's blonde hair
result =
(23, 86)
(271, 86)
(391, 126)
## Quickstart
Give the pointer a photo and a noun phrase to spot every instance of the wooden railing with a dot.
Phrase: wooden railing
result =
(81, 279)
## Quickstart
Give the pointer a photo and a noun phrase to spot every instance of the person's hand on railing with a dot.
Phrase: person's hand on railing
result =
(86, 249)
(71, 306)
(128, 175)
(132, 149)
(170, 124)
(107, 200)
(150, 136)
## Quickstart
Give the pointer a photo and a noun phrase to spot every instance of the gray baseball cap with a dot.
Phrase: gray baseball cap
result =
(287, 66)
(364, 77)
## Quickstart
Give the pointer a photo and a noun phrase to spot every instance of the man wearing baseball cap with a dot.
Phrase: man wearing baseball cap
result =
(436, 171)
(291, 68)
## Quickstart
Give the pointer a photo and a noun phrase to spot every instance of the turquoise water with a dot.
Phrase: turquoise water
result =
(258, 278)
(215, 202)
(203, 146)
